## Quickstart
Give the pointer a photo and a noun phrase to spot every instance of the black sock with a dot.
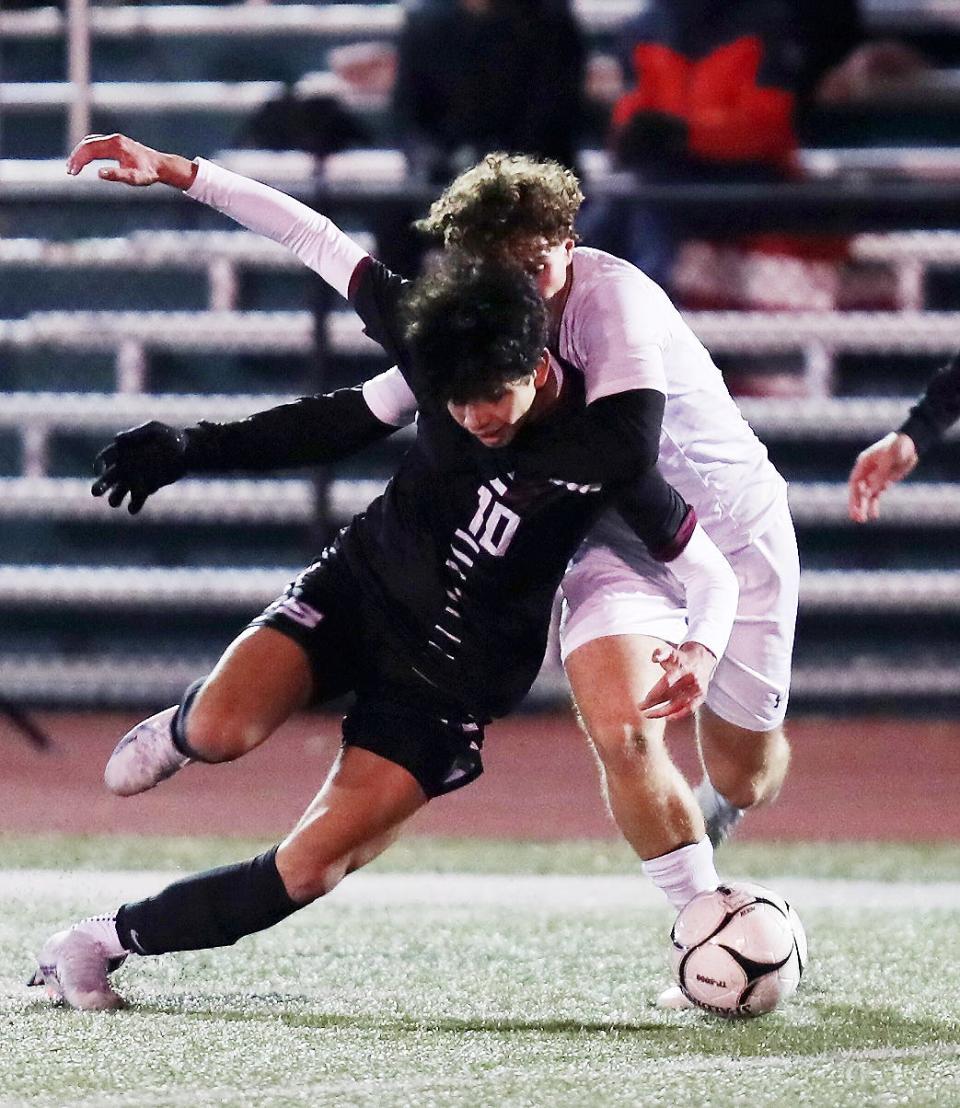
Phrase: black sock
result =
(178, 725)
(214, 908)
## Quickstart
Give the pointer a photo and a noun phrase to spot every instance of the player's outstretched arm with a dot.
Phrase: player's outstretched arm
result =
(311, 431)
(877, 468)
(137, 165)
(310, 236)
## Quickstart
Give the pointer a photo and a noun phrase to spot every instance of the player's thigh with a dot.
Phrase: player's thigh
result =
(609, 677)
(322, 611)
(262, 678)
(608, 594)
(360, 810)
(614, 617)
(751, 684)
(302, 649)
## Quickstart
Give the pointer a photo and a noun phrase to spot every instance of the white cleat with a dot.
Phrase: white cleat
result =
(144, 757)
(675, 998)
(73, 968)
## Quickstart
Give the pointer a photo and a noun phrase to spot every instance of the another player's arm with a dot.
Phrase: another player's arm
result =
(896, 455)
(615, 442)
(668, 527)
(308, 234)
(311, 431)
(620, 340)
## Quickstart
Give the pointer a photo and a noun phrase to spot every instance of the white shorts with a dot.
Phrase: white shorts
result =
(612, 592)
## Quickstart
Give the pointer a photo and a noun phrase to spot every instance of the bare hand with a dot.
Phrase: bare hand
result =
(683, 686)
(137, 164)
(875, 470)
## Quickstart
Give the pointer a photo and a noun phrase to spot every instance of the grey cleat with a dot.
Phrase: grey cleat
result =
(144, 757)
(720, 816)
(74, 969)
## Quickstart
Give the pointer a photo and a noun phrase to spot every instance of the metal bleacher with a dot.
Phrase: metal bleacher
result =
(97, 607)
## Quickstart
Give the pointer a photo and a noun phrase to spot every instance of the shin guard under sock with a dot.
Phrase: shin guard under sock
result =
(209, 909)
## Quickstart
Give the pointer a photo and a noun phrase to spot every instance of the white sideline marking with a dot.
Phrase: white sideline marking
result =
(331, 1092)
(548, 892)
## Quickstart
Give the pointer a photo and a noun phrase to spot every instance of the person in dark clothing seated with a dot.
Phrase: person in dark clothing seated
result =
(479, 75)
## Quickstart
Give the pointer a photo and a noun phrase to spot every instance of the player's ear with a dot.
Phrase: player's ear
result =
(541, 373)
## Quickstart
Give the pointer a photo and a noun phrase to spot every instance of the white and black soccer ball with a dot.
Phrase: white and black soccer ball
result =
(738, 951)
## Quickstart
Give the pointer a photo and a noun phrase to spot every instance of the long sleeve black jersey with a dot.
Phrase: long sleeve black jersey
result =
(462, 552)
(937, 409)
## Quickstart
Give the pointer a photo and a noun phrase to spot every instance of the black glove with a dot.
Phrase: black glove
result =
(139, 462)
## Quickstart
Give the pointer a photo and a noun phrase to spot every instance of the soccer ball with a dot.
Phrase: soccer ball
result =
(738, 951)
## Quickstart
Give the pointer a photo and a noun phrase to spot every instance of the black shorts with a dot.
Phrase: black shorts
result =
(351, 648)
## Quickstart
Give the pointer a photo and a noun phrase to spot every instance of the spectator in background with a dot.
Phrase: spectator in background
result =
(481, 75)
(475, 76)
(719, 86)
(723, 89)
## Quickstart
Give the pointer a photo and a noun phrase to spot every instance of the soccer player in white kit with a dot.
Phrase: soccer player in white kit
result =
(619, 330)
(626, 620)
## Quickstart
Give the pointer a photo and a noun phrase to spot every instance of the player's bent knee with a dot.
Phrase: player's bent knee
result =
(769, 772)
(221, 737)
(625, 747)
(305, 884)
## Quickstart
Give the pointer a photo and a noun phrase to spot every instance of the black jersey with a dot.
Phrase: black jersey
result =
(462, 552)
(937, 410)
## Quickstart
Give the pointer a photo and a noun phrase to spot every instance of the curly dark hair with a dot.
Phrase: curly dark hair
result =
(473, 327)
(505, 198)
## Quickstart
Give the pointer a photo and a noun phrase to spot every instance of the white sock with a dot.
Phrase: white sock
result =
(104, 930)
(684, 872)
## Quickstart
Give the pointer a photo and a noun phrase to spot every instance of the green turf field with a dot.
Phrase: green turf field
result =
(489, 975)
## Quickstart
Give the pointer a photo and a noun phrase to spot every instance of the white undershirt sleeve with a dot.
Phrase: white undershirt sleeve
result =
(315, 240)
(711, 589)
(390, 398)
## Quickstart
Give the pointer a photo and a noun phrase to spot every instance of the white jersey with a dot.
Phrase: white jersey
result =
(621, 331)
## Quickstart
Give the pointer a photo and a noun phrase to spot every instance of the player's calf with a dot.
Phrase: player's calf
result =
(745, 769)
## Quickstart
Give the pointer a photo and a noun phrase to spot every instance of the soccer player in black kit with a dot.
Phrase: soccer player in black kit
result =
(432, 606)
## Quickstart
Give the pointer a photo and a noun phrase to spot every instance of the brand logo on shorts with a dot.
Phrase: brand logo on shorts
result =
(300, 612)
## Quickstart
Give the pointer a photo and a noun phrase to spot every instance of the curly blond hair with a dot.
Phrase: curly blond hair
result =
(505, 198)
